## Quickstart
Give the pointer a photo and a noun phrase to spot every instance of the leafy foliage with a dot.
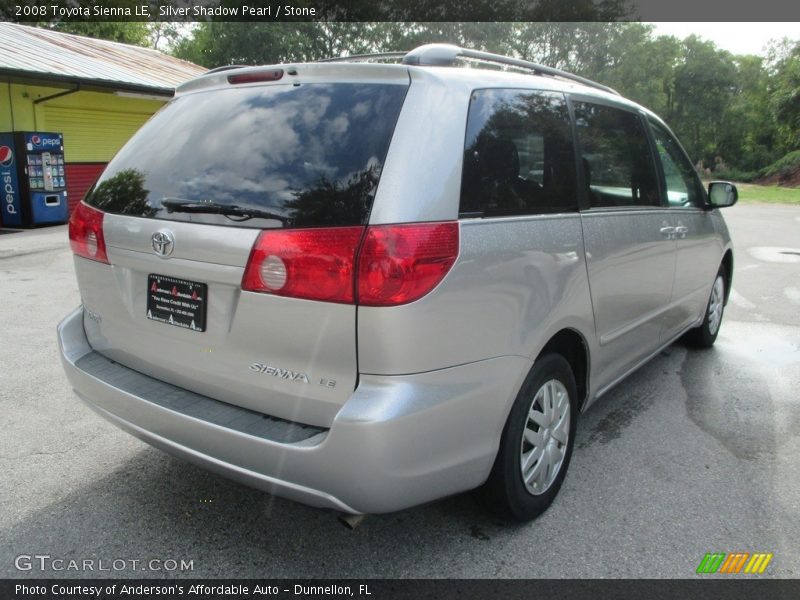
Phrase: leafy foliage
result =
(784, 96)
(740, 113)
(127, 32)
(784, 165)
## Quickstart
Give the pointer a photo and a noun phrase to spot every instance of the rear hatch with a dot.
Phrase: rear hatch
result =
(286, 166)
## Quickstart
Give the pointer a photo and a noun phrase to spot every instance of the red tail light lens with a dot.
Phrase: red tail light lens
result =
(86, 233)
(316, 264)
(256, 76)
(401, 263)
(397, 264)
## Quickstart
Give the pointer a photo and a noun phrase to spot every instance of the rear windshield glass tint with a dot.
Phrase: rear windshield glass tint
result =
(310, 155)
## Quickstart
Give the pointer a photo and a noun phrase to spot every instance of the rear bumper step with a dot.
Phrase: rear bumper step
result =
(397, 442)
(196, 406)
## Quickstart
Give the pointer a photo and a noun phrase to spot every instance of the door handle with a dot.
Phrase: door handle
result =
(667, 231)
(681, 230)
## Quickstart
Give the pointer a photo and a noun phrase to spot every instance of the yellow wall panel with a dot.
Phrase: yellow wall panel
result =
(95, 125)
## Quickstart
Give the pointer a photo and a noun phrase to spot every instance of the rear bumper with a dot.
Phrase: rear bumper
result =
(397, 442)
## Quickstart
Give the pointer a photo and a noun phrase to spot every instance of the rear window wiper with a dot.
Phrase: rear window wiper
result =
(215, 208)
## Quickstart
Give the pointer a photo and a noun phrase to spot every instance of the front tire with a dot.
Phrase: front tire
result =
(706, 333)
(537, 442)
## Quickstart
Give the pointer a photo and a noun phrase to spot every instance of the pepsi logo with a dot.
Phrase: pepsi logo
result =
(6, 156)
(36, 140)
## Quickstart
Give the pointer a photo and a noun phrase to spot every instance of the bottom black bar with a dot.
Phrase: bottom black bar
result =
(383, 589)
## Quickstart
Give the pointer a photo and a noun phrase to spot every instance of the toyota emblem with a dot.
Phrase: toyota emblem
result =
(163, 243)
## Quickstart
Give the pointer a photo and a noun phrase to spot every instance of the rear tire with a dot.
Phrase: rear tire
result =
(537, 442)
(706, 333)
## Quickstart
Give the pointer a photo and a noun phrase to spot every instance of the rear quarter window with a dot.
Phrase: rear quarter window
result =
(518, 154)
(309, 154)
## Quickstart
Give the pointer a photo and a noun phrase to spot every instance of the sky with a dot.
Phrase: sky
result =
(738, 38)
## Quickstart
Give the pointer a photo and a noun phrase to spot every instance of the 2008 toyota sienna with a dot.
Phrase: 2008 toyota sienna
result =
(365, 284)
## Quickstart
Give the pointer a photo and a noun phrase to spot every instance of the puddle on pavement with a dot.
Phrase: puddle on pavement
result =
(793, 294)
(627, 407)
(758, 346)
(775, 254)
(739, 392)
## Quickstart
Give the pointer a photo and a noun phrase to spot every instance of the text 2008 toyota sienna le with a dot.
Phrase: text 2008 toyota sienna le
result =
(367, 286)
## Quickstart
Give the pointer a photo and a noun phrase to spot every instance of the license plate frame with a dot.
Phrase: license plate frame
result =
(178, 302)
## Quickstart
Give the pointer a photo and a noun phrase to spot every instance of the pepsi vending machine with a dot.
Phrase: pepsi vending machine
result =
(32, 177)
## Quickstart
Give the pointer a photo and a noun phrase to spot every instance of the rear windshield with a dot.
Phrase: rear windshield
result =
(294, 155)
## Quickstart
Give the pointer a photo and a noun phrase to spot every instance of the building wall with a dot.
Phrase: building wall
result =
(95, 125)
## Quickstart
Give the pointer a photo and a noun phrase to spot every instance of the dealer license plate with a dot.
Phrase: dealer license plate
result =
(177, 302)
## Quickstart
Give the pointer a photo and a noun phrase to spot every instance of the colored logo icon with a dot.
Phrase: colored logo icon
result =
(734, 563)
(6, 156)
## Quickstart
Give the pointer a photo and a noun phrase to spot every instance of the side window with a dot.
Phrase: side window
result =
(615, 153)
(518, 155)
(683, 186)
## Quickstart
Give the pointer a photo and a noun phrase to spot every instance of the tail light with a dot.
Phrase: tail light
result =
(256, 76)
(396, 264)
(316, 264)
(86, 233)
(401, 263)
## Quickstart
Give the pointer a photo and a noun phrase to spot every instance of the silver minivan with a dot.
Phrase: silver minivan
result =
(371, 283)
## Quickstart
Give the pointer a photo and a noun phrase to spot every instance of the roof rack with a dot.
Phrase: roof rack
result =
(446, 54)
(441, 55)
(366, 57)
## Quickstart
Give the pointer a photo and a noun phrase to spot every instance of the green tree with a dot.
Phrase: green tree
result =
(747, 131)
(127, 32)
(641, 68)
(784, 93)
(218, 43)
(579, 47)
(163, 34)
(740, 108)
(705, 82)
(489, 37)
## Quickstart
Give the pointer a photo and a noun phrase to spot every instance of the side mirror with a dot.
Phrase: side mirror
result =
(722, 194)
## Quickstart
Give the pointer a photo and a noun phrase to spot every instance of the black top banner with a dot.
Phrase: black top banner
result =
(23, 11)
(383, 589)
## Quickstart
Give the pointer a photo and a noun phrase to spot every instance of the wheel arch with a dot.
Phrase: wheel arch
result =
(727, 263)
(572, 345)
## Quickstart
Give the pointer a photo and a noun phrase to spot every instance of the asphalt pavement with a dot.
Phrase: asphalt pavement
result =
(696, 452)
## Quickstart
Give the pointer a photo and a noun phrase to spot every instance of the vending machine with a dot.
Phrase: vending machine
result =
(32, 177)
